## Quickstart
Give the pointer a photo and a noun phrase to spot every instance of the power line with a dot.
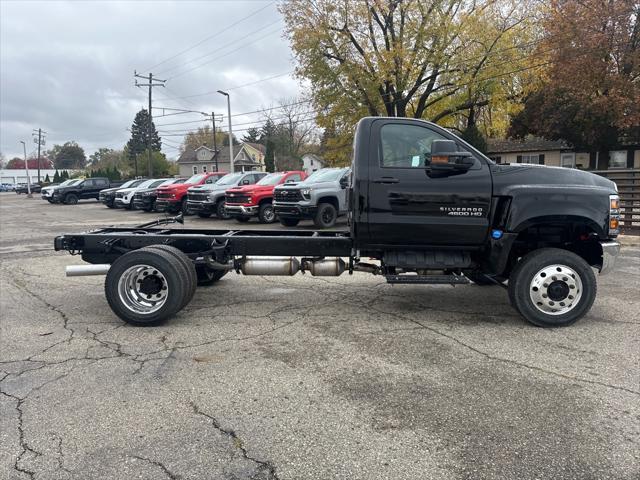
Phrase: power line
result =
(236, 87)
(225, 55)
(211, 36)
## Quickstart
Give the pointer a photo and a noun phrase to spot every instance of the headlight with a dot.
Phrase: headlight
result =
(614, 215)
(306, 193)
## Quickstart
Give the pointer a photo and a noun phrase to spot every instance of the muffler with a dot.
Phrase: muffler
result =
(325, 267)
(86, 270)
(269, 266)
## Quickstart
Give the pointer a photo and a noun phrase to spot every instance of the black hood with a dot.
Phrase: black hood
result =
(507, 177)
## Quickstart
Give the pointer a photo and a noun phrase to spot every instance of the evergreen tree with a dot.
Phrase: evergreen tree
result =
(137, 144)
(474, 136)
(252, 135)
(65, 175)
(46, 178)
(56, 177)
(269, 157)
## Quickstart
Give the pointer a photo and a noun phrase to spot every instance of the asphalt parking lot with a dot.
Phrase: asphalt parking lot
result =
(304, 378)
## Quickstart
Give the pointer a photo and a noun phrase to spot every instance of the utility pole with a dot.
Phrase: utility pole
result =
(150, 122)
(26, 168)
(215, 142)
(40, 141)
(230, 132)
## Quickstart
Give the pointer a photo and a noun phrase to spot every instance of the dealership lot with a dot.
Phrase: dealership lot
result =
(299, 377)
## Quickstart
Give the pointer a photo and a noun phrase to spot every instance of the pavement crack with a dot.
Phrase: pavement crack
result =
(263, 466)
(24, 446)
(160, 465)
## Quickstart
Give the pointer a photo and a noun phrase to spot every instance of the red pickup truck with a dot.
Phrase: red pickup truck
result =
(246, 201)
(173, 198)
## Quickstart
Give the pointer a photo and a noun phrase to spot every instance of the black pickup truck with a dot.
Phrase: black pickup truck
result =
(425, 206)
(87, 188)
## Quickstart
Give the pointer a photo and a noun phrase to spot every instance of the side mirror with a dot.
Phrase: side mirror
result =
(447, 160)
(246, 182)
(344, 182)
(290, 180)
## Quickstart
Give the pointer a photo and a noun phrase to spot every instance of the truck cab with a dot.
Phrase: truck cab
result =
(246, 201)
(322, 197)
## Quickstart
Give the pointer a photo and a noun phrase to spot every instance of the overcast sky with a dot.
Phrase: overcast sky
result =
(67, 66)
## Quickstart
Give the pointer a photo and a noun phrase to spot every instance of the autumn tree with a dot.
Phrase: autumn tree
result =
(591, 94)
(202, 136)
(68, 155)
(448, 61)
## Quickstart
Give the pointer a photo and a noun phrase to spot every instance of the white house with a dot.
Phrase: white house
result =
(312, 162)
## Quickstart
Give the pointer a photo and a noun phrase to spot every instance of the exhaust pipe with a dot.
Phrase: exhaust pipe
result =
(269, 266)
(86, 270)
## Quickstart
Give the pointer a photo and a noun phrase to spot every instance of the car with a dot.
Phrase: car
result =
(7, 187)
(146, 199)
(89, 188)
(47, 192)
(124, 196)
(246, 201)
(108, 195)
(23, 188)
(322, 197)
(208, 199)
(173, 198)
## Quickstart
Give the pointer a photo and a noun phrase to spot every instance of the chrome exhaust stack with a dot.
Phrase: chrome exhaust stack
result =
(87, 270)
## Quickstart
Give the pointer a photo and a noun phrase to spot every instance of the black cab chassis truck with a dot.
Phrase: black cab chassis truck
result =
(425, 207)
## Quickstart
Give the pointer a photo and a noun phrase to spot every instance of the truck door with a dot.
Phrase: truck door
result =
(88, 189)
(407, 205)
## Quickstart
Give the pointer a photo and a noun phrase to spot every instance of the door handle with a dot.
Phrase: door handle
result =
(386, 180)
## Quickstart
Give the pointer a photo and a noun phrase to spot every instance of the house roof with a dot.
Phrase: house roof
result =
(189, 156)
(529, 144)
(258, 146)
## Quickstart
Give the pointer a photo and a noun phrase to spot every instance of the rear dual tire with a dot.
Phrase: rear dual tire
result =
(551, 287)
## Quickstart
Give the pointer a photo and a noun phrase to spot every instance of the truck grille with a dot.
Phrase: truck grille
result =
(237, 198)
(164, 195)
(137, 196)
(288, 195)
(198, 197)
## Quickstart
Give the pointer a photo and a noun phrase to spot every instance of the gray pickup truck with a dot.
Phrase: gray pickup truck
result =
(322, 197)
(208, 199)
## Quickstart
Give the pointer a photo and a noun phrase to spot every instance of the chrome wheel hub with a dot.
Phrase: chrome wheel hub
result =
(556, 289)
(143, 289)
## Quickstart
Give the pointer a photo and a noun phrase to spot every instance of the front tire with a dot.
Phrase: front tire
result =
(267, 213)
(204, 215)
(71, 199)
(326, 216)
(221, 211)
(551, 287)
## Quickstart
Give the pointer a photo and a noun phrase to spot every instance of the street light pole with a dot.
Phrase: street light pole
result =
(230, 132)
(26, 169)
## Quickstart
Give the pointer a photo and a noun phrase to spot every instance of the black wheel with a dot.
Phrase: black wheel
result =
(146, 286)
(184, 208)
(191, 277)
(221, 211)
(266, 213)
(208, 276)
(243, 219)
(481, 279)
(71, 199)
(551, 287)
(289, 222)
(204, 215)
(49, 200)
(110, 205)
(325, 216)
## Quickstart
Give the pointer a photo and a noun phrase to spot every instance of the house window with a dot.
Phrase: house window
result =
(204, 169)
(496, 159)
(195, 169)
(618, 159)
(568, 160)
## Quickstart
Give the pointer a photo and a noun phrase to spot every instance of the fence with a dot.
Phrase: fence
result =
(628, 181)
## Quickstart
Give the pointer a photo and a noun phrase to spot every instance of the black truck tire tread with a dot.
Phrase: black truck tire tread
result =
(189, 269)
(319, 221)
(261, 210)
(170, 267)
(529, 265)
(71, 199)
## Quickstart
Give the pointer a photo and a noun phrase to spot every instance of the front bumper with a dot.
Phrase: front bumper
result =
(610, 252)
(241, 210)
(293, 210)
(144, 203)
(164, 204)
(120, 203)
(201, 207)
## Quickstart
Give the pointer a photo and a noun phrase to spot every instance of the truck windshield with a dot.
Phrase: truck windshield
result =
(157, 183)
(196, 178)
(325, 175)
(230, 179)
(146, 183)
(271, 179)
(130, 183)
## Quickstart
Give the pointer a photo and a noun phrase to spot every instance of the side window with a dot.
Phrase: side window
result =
(88, 183)
(406, 146)
(101, 183)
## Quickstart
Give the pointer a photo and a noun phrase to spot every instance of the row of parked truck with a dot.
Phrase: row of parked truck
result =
(285, 196)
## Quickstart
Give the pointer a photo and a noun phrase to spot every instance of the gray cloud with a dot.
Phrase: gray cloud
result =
(67, 67)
